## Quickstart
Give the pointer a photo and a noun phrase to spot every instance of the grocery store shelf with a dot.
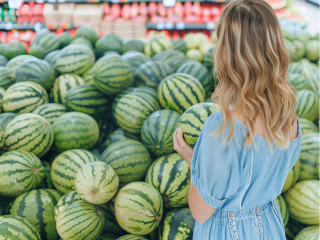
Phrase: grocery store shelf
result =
(10, 26)
(180, 26)
(116, 1)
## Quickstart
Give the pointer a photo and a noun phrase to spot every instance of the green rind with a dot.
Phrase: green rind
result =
(50, 111)
(7, 77)
(309, 233)
(173, 58)
(308, 105)
(284, 211)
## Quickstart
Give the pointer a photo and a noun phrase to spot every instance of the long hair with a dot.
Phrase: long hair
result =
(251, 63)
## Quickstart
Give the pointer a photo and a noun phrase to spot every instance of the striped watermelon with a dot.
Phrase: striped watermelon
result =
(295, 67)
(299, 81)
(15, 62)
(192, 120)
(309, 156)
(129, 158)
(135, 59)
(96, 182)
(312, 50)
(24, 97)
(111, 53)
(309, 233)
(109, 42)
(47, 181)
(17, 228)
(289, 35)
(194, 54)
(134, 45)
(180, 91)
(1, 137)
(116, 136)
(12, 49)
(36, 70)
(107, 236)
(88, 77)
(299, 50)
(132, 237)
(66, 200)
(75, 58)
(180, 45)
(307, 126)
(314, 80)
(87, 99)
(66, 165)
(7, 77)
(52, 57)
(173, 58)
(63, 84)
(139, 208)
(80, 220)
(2, 91)
(64, 39)
(29, 132)
(151, 73)
(293, 228)
(50, 111)
(170, 175)
(3, 61)
(157, 45)
(20, 171)
(178, 224)
(48, 41)
(83, 41)
(88, 33)
(75, 130)
(307, 67)
(132, 110)
(111, 224)
(281, 204)
(292, 177)
(208, 60)
(198, 71)
(157, 131)
(148, 90)
(37, 207)
(5, 118)
(112, 74)
(308, 105)
(303, 201)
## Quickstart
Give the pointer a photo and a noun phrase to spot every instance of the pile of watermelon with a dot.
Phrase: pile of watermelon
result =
(86, 136)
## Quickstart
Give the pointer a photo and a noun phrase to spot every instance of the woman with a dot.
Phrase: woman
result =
(245, 150)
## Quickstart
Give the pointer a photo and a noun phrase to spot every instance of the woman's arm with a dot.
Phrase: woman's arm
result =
(200, 210)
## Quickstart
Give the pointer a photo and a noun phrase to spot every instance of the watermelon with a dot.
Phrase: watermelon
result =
(65, 167)
(299, 50)
(52, 57)
(75, 130)
(132, 110)
(295, 67)
(299, 81)
(64, 39)
(83, 41)
(180, 91)
(116, 100)
(37, 207)
(2, 91)
(303, 201)
(135, 59)
(87, 33)
(88, 77)
(314, 80)
(80, 218)
(17, 228)
(15, 62)
(157, 131)
(303, 36)
(307, 126)
(194, 54)
(173, 58)
(170, 175)
(87, 99)
(29, 132)
(281, 204)
(20, 171)
(62, 84)
(111, 53)
(208, 57)
(139, 208)
(107, 236)
(290, 48)
(7, 77)
(178, 224)
(12, 49)
(96, 182)
(3, 61)
(134, 45)
(5, 118)
(309, 233)
(111, 224)
(47, 181)
(148, 90)
(36, 70)
(66, 200)
(192, 120)
(75, 58)
(116, 136)
(180, 45)
(293, 228)
(112, 74)
(1, 138)
(109, 42)
(292, 176)
(24, 97)
(48, 41)
(38, 51)
(198, 71)
(312, 50)
(157, 45)
(308, 105)
(289, 35)
(129, 158)
(132, 237)
(307, 67)
(50, 111)
(151, 73)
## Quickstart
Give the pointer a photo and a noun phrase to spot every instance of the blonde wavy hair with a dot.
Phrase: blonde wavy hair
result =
(251, 63)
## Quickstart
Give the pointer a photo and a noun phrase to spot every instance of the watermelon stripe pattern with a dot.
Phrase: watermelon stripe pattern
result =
(87, 99)
(17, 228)
(308, 105)
(281, 204)
(50, 111)
(135, 59)
(170, 175)
(80, 220)
(37, 207)
(299, 81)
(66, 200)
(7, 77)
(142, 204)
(157, 45)
(65, 167)
(5, 118)
(292, 177)
(312, 50)
(24, 97)
(15, 62)
(132, 237)
(306, 126)
(173, 58)
(180, 91)
(48, 41)
(134, 45)
(52, 57)
(309, 233)
(20, 171)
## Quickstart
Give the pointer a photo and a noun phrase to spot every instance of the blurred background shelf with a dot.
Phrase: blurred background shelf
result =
(180, 26)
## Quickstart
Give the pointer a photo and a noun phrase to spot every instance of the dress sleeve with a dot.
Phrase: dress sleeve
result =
(216, 168)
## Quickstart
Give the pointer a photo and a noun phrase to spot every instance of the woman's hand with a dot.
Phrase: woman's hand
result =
(185, 151)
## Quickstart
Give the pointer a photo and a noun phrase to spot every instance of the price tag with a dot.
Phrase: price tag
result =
(169, 25)
(180, 26)
(160, 26)
(210, 26)
(169, 3)
(37, 26)
(8, 26)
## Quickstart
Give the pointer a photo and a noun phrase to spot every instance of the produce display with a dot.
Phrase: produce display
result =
(86, 128)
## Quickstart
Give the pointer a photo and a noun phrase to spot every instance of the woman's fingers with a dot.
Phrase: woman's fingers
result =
(179, 137)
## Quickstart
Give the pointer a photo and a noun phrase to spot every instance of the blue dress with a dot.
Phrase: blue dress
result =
(240, 183)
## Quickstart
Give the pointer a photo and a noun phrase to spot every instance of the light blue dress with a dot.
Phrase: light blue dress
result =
(240, 184)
